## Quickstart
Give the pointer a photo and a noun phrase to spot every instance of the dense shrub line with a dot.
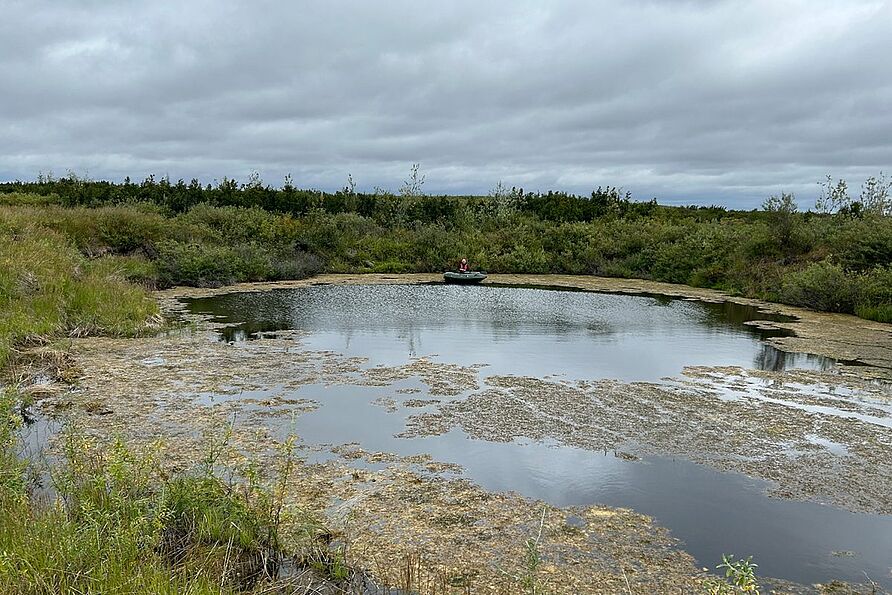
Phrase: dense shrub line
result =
(159, 233)
(384, 207)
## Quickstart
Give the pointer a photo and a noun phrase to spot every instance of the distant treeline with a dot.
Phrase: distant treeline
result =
(180, 196)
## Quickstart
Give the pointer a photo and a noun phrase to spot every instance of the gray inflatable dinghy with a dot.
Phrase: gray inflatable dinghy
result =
(469, 277)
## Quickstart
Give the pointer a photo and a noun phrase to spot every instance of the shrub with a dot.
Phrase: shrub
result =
(875, 295)
(234, 225)
(195, 264)
(860, 244)
(821, 286)
(296, 265)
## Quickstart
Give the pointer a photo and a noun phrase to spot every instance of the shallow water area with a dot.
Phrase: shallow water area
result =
(711, 512)
(565, 337)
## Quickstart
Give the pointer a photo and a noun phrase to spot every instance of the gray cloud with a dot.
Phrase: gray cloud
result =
(689, 101)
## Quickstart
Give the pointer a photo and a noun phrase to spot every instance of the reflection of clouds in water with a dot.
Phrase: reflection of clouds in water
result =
(709, 510)
(517, 330)
(508, 309)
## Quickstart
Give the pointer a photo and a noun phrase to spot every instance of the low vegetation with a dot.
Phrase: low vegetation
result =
(740, 577)
(120, 524)
(49, 289)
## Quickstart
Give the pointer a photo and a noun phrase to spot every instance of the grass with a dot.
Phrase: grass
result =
(530, 581)
(29, 199)
(121, 524)
(49, 289)
(45, 552)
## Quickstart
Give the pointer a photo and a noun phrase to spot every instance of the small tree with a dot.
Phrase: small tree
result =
(254, 180)
(834, 197)
(503, 201)
(875, 197)
(412, 186)
(350, 188)
(782, 217)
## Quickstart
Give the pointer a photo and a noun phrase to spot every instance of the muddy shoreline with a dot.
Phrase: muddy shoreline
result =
(456, 534)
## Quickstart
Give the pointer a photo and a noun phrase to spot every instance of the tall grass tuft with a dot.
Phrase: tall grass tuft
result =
(47, 289)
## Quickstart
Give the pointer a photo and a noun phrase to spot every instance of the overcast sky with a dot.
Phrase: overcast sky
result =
(684, 100)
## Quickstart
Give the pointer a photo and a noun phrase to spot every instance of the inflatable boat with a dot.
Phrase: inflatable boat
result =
(469, 277)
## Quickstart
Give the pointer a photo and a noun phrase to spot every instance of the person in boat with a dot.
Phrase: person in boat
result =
(463, 266)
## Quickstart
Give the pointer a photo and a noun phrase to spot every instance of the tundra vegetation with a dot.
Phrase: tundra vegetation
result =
(79, 257)
(119, 523)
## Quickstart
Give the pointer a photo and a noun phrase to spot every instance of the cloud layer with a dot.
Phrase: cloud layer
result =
(686, 100)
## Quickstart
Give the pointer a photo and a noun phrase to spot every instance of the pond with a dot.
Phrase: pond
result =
(569, 335)
(527, 331)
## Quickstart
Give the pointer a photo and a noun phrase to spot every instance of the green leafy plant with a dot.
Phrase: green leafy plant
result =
(740, 577)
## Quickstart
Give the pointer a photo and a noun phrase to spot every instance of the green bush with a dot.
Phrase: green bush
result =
(821, 286)
(875, 295)
(296, 264)
(195, 264)
(234, 225)
(859, 244)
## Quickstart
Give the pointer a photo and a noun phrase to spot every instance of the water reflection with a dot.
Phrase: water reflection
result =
(515, 330)
(773, 359)
(712, 512)
(580, 335)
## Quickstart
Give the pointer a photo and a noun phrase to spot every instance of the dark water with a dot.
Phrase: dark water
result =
(576, 335)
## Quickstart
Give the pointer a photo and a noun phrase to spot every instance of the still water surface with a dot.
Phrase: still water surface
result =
(573, 335)
(535, 332)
